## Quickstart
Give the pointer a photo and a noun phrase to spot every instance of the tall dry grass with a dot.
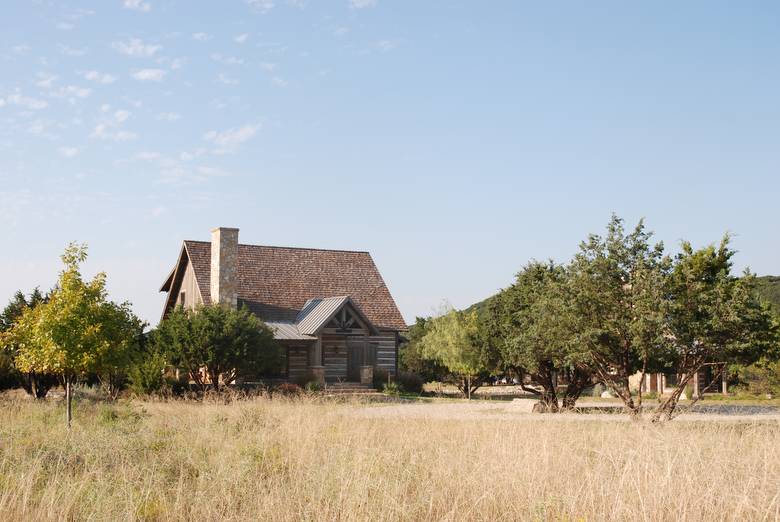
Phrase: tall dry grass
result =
(302, 460)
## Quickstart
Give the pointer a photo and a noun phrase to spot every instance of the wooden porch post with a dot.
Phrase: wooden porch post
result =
(315, 360)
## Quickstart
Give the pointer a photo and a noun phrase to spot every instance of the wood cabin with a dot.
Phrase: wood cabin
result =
(330, 309)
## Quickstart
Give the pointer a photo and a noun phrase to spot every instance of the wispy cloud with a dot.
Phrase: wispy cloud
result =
(169, 116)
(229, 140)
(261, 6)
(279, 82)
(136, 47)
(26, 102)
(68, 152)
(71, 92)
(361, 4)
(71, 51)
(108, 131)
(181, 170)
(150, 75)
(226, 80)
(387, 45)
(201, 37)
(268, 66)
(227, 60)
(97, 77)
(46, 81)
(137, 5)
(241, 38)
(121, 116)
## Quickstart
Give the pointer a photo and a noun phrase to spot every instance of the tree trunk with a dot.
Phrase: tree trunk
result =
(468, 387)
(68, 399)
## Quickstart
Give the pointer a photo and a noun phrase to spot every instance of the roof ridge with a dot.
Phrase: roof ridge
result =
(288, 247)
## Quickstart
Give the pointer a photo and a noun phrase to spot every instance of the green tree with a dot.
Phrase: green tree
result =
(410, 358)
(76, 331)
(452, 340)
(615, 290)
(122, 334)
(226, 343)
(713, 316)
(530, 325)
(35, 384)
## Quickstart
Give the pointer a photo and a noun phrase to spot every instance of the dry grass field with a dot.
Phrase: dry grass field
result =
(308, 460)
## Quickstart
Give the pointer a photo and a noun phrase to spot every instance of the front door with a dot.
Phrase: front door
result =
(359, 353)
(354, 360)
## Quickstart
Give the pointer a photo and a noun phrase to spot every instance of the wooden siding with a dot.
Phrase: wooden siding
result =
(190, 288)
(334, 357)
(386, 350)
(297, 362)
(334, 353)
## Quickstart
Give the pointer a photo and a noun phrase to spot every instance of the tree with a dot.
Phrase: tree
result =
(76, 331)
(615, 290)
(410, 358)
(35, 384)
(225, 342)
(122, 333)
(530, 325)
(713, 316)
(452, 341)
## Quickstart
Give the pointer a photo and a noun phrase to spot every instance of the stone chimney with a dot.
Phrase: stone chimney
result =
(224, 266)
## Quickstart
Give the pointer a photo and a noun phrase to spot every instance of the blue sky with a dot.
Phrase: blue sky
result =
(454, 140)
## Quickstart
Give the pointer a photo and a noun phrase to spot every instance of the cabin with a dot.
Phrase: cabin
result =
(711, 378)
(330, 309)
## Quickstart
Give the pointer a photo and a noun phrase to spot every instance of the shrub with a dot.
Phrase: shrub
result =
(313, 386)
(8, 374)
(305, 379)
(392, 388)
(289, 389)
(146, 376)
(380, 378)
(410, 382)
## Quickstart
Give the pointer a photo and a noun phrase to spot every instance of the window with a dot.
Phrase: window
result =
(183, 299)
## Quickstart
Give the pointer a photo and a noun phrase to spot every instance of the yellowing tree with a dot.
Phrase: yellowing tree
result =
(452, 341)
(77, 331)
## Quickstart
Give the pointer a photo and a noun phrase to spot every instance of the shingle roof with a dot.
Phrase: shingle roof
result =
(276, 282)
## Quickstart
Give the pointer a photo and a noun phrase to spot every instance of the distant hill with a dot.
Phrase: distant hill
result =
(767, 287)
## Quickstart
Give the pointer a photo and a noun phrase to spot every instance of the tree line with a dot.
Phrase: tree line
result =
(621, 306)
(74, 332)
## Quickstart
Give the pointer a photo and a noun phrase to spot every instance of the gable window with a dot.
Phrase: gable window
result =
(183, 299)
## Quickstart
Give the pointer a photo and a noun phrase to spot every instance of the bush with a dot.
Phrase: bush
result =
(289, 389)
(392, 388)
(380, 378)
(762, 378)
(410, 382)
(8, 375)
(303, 380)
(146, 376)
(313, 386)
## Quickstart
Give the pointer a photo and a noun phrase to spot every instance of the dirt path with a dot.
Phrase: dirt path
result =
(520, 410)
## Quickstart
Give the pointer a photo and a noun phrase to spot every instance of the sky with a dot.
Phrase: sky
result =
(454, 140)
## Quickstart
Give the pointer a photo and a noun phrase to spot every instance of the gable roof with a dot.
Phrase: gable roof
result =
(276, 282)
(318, 312)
